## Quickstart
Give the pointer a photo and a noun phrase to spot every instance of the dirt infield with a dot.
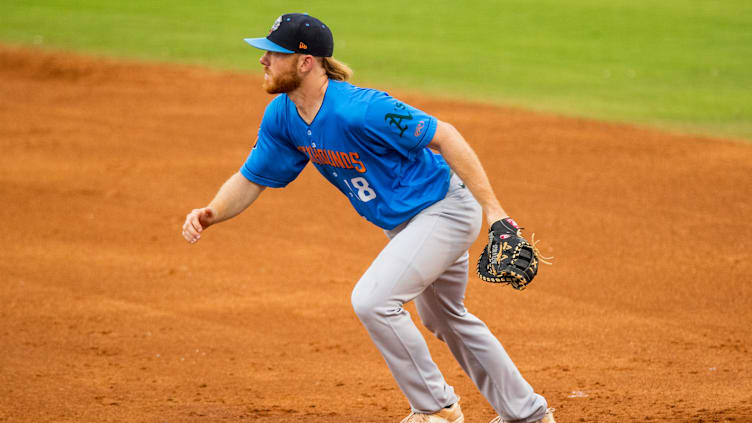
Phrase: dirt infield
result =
(108, 315)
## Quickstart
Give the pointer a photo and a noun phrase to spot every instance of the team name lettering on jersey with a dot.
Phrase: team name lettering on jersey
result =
(340, 159)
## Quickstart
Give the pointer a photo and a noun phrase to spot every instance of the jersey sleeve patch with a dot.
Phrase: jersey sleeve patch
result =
(399, 125)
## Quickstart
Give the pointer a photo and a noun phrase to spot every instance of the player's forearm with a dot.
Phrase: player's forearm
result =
(235, 195)
(465, 163)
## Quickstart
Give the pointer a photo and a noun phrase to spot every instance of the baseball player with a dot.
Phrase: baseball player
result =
(379, 152)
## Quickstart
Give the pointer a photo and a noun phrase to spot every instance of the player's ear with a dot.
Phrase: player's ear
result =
(306, 62)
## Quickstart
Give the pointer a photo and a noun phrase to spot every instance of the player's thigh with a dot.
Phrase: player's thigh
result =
(420, 251)
(443, 300)
(410, 262)
(439, 235)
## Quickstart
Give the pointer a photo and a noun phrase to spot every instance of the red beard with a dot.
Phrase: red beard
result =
(284, 82)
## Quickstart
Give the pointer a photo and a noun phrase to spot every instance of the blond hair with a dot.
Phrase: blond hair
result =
(335, 69)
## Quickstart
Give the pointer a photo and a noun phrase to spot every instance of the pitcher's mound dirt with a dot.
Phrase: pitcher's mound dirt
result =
(108, 315)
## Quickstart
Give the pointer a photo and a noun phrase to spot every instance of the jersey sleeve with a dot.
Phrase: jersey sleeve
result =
(398, 125)
(274, 161)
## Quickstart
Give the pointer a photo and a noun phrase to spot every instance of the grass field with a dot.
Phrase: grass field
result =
(677, 64)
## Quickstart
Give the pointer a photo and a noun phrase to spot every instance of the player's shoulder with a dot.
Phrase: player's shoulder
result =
(277, 110)
(276, 117)
(278, 105)
(352, 102)
(354, 94)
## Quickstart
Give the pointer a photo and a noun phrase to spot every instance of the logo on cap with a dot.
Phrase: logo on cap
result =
(275, 25)
(302, 46)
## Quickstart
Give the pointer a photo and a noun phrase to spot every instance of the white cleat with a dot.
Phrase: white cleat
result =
(452, 414)
(547, 418)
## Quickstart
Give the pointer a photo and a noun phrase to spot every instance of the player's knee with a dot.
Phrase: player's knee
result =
(426, 316)
(370, 307)
(433, 327)
(363, 305)
(432, 323)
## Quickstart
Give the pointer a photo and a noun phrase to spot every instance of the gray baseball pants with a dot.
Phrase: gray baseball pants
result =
(426, 260)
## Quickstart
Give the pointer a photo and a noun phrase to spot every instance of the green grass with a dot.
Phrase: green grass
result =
(684, 65)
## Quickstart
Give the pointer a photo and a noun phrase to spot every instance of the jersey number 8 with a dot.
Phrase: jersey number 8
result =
(365, 192)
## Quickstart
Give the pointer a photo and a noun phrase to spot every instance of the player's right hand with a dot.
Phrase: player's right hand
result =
(195, 222)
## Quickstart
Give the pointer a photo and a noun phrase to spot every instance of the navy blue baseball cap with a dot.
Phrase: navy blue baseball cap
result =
(297, 33)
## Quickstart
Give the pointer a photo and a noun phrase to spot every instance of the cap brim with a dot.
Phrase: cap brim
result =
(265, 44)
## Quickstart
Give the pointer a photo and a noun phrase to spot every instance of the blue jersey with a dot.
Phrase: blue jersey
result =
(369, 145)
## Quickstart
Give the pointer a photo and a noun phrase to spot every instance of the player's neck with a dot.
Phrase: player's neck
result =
(309, 96)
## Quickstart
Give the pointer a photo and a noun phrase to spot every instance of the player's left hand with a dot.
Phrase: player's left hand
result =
(508, 257)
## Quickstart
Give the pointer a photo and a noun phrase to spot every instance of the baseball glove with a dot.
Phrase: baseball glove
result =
(508, 257)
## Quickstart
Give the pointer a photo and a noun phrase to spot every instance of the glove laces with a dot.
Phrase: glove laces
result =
(541, 258)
